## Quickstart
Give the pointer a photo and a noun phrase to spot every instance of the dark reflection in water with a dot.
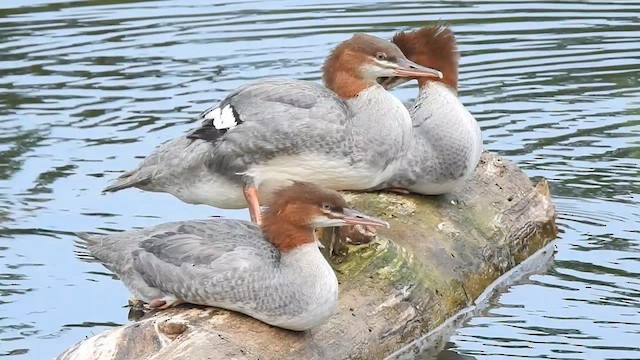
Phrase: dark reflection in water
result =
(88, 87)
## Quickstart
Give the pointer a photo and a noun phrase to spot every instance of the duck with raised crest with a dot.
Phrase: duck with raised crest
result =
(347, 136)
(274, 273)
(446, 139)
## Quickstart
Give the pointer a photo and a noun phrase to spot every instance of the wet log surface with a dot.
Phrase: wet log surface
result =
(440, 254)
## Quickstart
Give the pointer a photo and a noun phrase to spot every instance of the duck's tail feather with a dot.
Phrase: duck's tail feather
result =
(82, 245)
(127, 180)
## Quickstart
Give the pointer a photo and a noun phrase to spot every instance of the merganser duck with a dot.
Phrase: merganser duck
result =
(274, 273)
(347, 136)
(446, 139)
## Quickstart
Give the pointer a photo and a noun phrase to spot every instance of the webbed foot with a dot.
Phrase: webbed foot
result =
(164, 302)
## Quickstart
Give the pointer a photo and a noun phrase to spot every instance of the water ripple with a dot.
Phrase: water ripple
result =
(88, 87)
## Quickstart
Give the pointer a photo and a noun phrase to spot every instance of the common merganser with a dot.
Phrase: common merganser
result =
(446, 140)
(277, 275)
(347, 136)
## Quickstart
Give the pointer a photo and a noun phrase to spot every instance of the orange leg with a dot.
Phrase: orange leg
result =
(164, 303)
(157, 304)
(395, 190)
(251, 194)
(398, 190)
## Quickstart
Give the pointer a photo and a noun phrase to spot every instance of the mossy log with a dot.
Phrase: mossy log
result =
(438, 256)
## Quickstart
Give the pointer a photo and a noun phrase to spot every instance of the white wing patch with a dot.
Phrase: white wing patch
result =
(213, 114)
(223, 119)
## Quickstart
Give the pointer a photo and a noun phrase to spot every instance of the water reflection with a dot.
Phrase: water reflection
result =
(88, 87)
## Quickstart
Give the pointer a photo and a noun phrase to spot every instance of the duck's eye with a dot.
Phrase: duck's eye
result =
(381, 56)
(326, 207)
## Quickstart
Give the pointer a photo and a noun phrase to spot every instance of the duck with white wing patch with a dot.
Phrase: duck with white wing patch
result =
(348, 136)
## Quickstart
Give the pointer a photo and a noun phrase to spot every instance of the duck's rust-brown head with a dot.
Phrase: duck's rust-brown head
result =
(296, 210)
(357, 63)
(432, 46)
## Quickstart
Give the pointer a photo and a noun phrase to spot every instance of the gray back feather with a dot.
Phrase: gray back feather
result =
(283, 107)
(210, 243)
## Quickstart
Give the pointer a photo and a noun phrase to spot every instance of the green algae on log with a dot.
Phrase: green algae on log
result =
(439, 255)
